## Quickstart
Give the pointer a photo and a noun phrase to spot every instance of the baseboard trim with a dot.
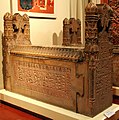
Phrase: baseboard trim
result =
(115, 90)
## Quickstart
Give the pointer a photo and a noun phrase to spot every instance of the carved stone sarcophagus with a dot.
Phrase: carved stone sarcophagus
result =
(75, 78)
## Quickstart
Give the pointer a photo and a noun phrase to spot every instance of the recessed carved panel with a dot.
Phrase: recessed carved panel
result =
(47, 80)
(53, 80)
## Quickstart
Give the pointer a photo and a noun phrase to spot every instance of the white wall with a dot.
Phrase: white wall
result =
(42, 31)
(4, 7)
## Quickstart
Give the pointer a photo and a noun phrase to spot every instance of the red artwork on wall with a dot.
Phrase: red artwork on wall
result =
(104, 1)
(36, 6)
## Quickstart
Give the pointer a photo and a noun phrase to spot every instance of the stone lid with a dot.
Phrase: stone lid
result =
(59, 53)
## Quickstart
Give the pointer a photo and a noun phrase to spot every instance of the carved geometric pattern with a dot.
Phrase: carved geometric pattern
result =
(103, 72)
(48, 80)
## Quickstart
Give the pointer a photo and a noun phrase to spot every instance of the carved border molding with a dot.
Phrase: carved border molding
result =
(75, 55)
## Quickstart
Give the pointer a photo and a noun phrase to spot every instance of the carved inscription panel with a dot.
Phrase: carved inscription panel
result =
(104, 72)
(45, 79)
(103, 76)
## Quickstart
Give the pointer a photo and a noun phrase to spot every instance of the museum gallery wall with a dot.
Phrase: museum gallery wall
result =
(42, 31)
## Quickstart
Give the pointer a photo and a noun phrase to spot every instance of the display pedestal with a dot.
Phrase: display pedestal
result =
(51, 111)
(116, 91)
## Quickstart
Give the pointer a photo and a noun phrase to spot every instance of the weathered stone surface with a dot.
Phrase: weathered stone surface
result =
(69, 77)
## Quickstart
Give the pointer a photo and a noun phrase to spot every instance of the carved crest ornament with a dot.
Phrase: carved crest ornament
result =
(70, 77)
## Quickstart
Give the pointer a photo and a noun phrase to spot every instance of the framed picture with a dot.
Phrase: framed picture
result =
(104, 1)
(35, 8)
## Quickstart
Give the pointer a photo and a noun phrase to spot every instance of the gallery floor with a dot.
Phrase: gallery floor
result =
(9, 113)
